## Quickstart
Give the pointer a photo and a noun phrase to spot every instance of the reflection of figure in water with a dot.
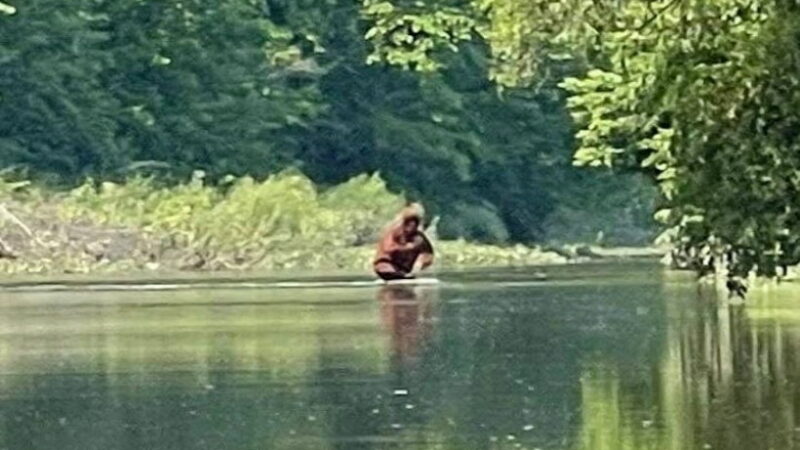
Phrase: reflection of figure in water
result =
(404, 250)
(406, 313)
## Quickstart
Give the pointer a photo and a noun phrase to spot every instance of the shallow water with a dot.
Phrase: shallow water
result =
(596, 357)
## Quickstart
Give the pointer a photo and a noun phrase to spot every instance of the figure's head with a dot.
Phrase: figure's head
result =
(410, 225)
(411, 218)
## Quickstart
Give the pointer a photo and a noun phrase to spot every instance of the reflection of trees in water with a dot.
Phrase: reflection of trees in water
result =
(306, 375)
(504, 370)
(726, 381)
(580, 366)
(730, 374)
(168, 410)
(197, 376)
(359, 407)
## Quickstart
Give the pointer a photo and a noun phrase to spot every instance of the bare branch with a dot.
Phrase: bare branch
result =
(4, 212)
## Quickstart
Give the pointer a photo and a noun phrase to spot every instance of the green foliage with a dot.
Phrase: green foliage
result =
(407, 39)
(54, 111)
(699, 95)
(181, 85)
(613, 209)
(284, 222)
(477, 221)
(708, 115)
(140, 203)
(359, 202)
(282, 213)
(115, 90)
(503, 157)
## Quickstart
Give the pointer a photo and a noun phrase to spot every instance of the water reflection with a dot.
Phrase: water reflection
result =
(727, 379)
(633, 360)
(407, 315)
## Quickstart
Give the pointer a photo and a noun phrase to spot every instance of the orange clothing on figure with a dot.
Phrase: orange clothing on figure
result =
(403, 247)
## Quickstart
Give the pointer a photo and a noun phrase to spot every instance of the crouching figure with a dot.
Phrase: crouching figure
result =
(403, 249)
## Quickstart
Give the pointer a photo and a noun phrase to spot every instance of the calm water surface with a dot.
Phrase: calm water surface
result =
(598, 357)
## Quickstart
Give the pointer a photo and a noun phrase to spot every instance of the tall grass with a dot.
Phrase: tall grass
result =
(283, 222)
(245, 221)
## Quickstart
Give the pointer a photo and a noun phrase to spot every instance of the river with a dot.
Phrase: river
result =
(600, 357)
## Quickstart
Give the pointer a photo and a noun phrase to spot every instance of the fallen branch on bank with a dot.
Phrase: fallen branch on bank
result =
(5, 249)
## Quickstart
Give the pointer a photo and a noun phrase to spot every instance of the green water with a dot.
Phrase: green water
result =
(597, 357)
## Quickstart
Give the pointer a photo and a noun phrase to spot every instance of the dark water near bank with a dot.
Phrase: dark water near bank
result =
(598, 357)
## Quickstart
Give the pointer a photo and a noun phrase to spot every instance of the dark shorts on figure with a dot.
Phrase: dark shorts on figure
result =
(387, 271)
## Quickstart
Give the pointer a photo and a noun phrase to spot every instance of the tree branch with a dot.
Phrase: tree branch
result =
(5, 213)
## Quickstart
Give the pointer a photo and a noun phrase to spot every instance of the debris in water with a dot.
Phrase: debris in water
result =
(62, 421)
(400, 392)
(376, 411)
(647, 423)
(493, 438)
(397, 426)
(209, 387)
(409, 406)
(510, 437)
(528, 427)
(312, 418)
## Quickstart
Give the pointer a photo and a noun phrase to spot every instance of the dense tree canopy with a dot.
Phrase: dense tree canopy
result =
(108, 89)
(701, 95)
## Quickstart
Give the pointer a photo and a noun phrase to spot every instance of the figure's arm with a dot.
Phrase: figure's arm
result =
(425, 258)
(427, 250)
(389, 243)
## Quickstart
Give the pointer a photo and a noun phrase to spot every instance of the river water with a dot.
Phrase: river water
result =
(616, 356)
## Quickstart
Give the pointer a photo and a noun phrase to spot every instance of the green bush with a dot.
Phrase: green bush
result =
(474, 222)
(283, 222)
(285, 211)
(360, 202)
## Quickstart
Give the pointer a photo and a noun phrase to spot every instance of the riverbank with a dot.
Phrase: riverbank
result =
(281, 224)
